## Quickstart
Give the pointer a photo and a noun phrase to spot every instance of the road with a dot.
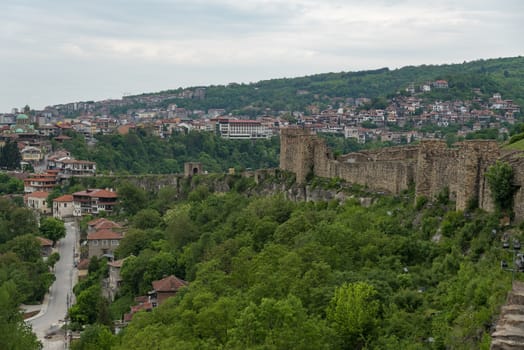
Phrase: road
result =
(60, 291)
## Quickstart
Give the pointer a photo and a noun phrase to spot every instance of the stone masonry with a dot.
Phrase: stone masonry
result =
(431, 166)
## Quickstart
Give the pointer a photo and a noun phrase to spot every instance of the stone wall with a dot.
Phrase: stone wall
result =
(432, 166)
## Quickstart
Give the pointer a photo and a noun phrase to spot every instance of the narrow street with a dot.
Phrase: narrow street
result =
(60, 295)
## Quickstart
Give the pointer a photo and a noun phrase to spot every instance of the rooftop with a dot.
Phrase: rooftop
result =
(104, 234)
(169, 284)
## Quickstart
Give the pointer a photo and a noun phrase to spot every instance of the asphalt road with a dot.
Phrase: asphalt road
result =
(60, 291)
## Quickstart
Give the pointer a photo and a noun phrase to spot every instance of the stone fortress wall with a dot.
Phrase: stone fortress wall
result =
(430, 165)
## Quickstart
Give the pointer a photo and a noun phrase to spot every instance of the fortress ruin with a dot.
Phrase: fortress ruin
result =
(431, 166)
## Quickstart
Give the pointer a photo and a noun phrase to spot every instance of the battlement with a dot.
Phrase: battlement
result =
(431, 165)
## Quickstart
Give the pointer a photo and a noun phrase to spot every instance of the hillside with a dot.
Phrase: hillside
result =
(504, 75)
(269, 273)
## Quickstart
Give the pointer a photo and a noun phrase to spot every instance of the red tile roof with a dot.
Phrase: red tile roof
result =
(103, 223)
(64, 198)
(97, 193)
(104, 234)
(44, 242)
(83, 264)
(169, 284)
(38, 194)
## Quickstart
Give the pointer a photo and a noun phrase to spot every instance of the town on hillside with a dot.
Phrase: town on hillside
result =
(412, 114)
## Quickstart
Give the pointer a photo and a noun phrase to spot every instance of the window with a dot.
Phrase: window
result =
(114, 242)
(95, 242)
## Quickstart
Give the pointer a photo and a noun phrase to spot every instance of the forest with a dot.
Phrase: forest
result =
(141, 152)
(24, 276)
(268, 273)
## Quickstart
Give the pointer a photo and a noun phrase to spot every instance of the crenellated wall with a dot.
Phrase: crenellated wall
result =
(431, 166)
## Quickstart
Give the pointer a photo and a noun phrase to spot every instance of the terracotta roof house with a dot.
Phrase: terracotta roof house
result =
(46, 245)
(103, 242)
(37, 201)
(40, 182)
(102, 224)
(165, 288)
(82, 267)
(162, 289)
(93, 201)
(145, 306)
(63, 206)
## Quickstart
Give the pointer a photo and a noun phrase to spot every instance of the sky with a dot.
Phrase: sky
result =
(60, 51)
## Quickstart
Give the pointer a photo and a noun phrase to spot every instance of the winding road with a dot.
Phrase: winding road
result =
(60, 294)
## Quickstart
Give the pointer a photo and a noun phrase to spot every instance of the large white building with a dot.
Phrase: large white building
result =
(245, 129)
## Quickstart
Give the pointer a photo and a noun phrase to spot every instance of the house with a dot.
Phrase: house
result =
(162, 289)
(31, 154)
(143, 305)
(165, 288)
(73, 167)
(102, 224)
(103, 242)
(115, 280)
(40, 182)
(440, 84)
(83, 267)
(46, 246)
(37, 201)
(93, 201)
(63, 207)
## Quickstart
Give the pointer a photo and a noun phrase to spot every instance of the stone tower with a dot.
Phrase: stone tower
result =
(297, 152)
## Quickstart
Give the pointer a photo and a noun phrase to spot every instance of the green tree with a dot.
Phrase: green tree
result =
(353, 312)
(16, 334)
(26, 247)
(94, 337)
(132, 199)
(52, 228)
(279, 324)
(500, 180)
(10, 156)
(147, 218)
(53, 259)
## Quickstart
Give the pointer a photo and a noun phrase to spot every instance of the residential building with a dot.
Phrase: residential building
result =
(31, 154)
(102, 224)
(63, 207)
(72, 167)
(165, 288)
(46, 246)
(162, 289)
(38, 202)
(103, 243)
(40, 182)
(93, 201)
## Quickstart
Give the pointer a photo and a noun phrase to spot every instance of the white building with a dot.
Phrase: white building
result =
(63, 207)
(37, 201)
(241, 129)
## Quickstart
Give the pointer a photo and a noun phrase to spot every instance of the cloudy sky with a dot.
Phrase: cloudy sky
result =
(58, 51)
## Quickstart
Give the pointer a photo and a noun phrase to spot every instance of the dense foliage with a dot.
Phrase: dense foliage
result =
(10, 156)
(267, 273)
(24, 277)
(504, 75)
(10, 185)
(141, 152)
(500, 180)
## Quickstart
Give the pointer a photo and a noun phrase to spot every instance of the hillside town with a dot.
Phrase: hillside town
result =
(407, 117)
